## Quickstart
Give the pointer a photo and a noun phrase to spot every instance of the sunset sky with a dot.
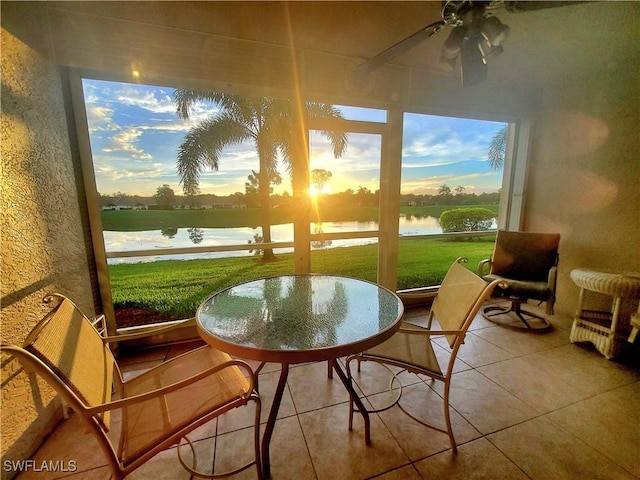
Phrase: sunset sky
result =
(135, 134)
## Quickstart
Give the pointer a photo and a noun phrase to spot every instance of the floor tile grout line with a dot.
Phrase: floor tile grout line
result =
(509, 391)
(585, 442)
(306, 445)
(505, 454)
(548, 415)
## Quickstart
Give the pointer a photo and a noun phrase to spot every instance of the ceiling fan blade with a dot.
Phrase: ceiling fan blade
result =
(399, 48)
(528, 6)
(467, 13)
(473, 69)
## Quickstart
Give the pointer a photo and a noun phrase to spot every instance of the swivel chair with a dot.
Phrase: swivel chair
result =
(527, 264)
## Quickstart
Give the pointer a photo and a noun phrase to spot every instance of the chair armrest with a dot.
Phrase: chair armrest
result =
(553, 274)
(125, 402)
(146, 332)
(481, 265)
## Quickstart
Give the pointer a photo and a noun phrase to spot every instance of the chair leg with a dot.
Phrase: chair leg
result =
(500, 316)
(256, 438)
(350, 379)
(257, 451)
(447, 418)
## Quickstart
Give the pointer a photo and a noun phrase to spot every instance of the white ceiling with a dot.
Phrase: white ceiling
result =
(544, 46)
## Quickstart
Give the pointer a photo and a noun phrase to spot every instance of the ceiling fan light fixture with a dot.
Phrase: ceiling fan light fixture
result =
(451, 48)
(489, 52)
(448, 64)
(453, 43)
(494, 31)
(476, 38)
(472, 64)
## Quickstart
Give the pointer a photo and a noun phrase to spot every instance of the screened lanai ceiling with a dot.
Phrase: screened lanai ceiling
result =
(240, 40)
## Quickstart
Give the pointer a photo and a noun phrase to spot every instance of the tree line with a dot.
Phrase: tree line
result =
(166, 199)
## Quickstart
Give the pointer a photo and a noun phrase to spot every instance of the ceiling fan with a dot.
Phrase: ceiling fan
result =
(476, 38)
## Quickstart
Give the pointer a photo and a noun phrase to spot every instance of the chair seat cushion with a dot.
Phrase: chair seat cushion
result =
(148, 422)
(520, 288)
(409, 350)
(525, 255)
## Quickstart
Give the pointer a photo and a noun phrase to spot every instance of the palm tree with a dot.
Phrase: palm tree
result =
(267, 122)
(497, 149)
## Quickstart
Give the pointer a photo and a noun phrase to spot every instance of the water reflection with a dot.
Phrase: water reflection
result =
(186, 237)
(279, 313)
(196, 235)
(169, 232)
(318, 229)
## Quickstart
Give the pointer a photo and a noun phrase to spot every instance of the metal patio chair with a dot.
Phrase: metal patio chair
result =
(158, 408)
(457, 302)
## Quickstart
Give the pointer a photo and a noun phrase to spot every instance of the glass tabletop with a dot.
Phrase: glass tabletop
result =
(299, 318)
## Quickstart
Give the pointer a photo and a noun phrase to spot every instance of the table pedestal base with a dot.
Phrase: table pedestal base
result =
(277, 400)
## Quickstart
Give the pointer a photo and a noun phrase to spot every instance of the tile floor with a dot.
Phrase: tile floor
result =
(524, 405)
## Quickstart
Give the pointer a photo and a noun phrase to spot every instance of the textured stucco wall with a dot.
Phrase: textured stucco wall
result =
(41, 232)
(584, 177)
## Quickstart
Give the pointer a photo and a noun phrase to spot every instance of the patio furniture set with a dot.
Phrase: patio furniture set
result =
(292, 319)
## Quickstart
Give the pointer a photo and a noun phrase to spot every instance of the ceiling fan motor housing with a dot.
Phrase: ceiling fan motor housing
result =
(466, 12)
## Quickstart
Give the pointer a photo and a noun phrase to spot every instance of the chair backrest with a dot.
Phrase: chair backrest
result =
(524, 255)
(66, 342)
(459, 298)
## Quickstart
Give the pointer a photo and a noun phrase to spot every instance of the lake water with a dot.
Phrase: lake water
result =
(189, 237)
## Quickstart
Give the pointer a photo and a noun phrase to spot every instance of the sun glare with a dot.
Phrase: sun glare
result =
(313, 190)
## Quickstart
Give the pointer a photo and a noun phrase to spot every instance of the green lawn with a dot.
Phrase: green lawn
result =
(178, 287)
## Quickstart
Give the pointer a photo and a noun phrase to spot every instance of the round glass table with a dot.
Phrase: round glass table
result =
(292, 319)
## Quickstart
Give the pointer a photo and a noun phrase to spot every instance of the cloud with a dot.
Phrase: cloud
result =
(428, 150)
(146, 99)
(169, 126)
(124, 141)
(117, 167)
(363, 153)
(136, 131)
(157, 100)
(100, 118)
(201, 111)
(433, 140)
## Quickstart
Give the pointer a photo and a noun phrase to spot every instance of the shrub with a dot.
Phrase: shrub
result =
(466, 220)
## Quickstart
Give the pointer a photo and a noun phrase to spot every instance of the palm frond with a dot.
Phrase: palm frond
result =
(202, 146)
(268, 121)
(338, 138)
(184, 99)
(497, 149)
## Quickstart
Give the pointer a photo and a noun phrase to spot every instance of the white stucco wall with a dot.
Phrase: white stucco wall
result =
(585, 175)
(41, 233)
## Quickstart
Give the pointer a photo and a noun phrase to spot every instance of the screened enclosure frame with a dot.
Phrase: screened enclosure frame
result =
(512, 199)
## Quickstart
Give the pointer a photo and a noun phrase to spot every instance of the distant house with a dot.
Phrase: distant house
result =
(210, 202)
(125, 203)
(207, 202)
